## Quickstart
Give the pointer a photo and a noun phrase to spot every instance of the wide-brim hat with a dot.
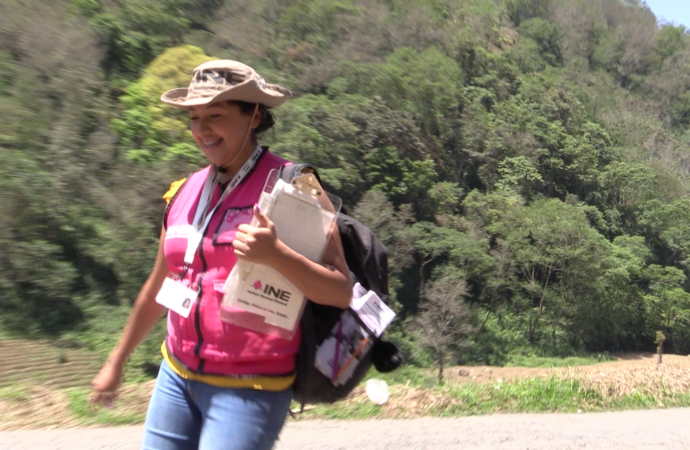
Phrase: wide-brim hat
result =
(225, 79)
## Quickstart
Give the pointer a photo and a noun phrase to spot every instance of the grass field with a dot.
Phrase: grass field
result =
(59, 364)
(46, 384)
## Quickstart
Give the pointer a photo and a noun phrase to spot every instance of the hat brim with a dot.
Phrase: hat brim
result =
(270, 95)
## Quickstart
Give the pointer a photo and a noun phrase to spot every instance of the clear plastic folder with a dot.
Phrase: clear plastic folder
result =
(258, 297)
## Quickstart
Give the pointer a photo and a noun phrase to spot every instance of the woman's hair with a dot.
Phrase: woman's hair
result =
(267, 117)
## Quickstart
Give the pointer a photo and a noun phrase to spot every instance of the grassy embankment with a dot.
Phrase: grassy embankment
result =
(43, 385)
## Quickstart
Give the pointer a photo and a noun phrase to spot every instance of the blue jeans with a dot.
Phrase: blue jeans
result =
(186, 415)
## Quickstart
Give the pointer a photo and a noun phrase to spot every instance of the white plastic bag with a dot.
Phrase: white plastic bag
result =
(377, 391)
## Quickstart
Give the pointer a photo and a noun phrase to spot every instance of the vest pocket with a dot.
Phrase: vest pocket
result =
(233, 217)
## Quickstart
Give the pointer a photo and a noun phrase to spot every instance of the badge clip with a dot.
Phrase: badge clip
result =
(307, 184)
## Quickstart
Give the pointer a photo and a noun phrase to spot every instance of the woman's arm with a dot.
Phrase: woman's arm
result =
(145, 313)
(328, 283)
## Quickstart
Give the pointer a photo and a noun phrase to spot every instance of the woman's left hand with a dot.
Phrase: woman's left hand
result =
(257, 244)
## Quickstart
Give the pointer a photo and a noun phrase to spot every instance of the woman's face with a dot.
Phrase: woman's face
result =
(219, 130)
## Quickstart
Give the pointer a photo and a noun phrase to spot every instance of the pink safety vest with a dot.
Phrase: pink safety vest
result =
(203, 342)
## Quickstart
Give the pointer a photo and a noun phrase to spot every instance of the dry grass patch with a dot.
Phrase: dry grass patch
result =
(406, 401)
(26, 406)
(660, 381)
(33, 407)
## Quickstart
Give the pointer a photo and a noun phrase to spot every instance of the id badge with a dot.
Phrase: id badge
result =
(176, 297)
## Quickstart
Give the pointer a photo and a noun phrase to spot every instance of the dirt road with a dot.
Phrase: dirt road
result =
(630, 430)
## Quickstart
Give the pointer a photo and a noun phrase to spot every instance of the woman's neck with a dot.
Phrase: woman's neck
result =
(231, 169)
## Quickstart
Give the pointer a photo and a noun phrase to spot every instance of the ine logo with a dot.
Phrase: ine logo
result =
(272, 291)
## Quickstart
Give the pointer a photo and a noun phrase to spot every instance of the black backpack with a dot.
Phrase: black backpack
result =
(367, 259)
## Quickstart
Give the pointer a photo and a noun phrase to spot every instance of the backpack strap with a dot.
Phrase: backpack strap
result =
(288, 173)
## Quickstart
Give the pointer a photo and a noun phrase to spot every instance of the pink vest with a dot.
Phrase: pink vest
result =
(203, 342)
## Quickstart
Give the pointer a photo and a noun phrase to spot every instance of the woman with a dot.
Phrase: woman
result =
(220, 386)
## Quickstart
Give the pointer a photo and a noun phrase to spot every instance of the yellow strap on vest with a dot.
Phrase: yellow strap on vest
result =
(273, 384)
(174, 187)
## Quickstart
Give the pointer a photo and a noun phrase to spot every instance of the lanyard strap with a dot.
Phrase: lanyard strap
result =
(202, 218)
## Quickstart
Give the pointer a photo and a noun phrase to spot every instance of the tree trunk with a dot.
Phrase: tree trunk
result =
(421, 277)
(486, 319)
(660, 338)
(440, 367)
(533, 327)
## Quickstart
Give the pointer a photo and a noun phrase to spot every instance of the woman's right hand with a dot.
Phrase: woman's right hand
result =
(105, 384)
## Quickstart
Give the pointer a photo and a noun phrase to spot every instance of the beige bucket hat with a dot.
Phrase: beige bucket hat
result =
(225, 79)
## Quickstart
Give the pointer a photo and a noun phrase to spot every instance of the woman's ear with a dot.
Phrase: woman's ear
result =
(258, 117)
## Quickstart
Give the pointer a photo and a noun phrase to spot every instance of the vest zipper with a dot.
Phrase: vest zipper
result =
(197, 312)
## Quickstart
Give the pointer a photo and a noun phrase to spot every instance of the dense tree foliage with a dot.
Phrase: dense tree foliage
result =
(525, 161)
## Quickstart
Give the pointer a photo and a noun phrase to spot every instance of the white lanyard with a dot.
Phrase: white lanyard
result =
(206, 194)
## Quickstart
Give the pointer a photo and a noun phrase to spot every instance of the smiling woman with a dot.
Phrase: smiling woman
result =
(222, 130)
(221, 385)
